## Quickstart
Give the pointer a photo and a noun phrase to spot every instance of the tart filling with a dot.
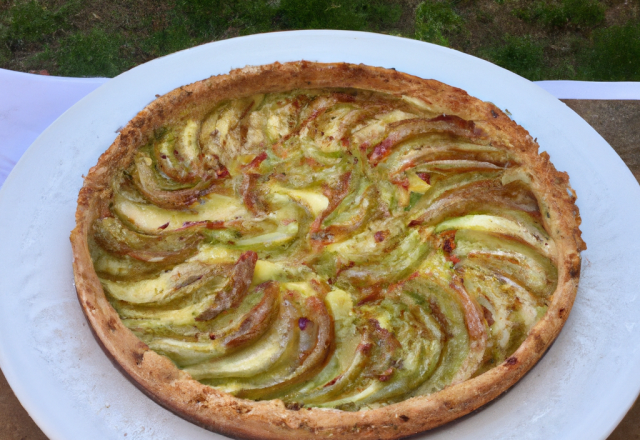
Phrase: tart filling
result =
(311, 250)
(333, 247)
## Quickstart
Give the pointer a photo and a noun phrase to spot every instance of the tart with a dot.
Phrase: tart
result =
(309, 250)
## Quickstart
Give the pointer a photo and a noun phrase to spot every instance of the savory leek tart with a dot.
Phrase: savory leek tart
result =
(310, 250)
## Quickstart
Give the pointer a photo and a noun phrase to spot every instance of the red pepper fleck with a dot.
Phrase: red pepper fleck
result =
(380, 236)
(212, 336)
(386, 375)
(345, 267)
(255, 163)
(365, 348)
(449, 241)
(404, 183)
(314, 114)
(377, 325)
(222, 172)
(328, 384)
(425, 176)
(488, 316)
(164, 226)
(401, 282)
(381, 151)
(217, 224)
(303, 322)
(370, 297)
(448, 246)
(311, 162)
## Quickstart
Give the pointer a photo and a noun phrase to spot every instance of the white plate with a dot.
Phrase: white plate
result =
(581, 389)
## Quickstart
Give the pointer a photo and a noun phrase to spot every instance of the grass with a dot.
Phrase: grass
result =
(214, 19)
(95, 53)
(522, 55)
(556, 39)
(435, 22)
(34, 22)
(614, 54)
(587, 13)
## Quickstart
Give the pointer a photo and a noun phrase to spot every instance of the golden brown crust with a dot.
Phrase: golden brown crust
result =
(221, 412)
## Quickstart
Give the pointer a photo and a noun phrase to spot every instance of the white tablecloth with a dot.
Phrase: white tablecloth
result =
(30, 103)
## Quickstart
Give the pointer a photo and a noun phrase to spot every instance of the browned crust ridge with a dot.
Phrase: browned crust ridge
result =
(210, 408)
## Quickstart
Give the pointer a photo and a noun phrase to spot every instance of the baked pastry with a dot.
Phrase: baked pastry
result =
(309, 250)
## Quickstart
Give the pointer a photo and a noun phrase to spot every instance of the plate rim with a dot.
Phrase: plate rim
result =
(11, 374)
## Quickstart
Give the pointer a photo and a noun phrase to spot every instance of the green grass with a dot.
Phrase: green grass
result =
(362, 15)
(614, 54)
(562, 14)
(31, 21)
(168, 40)
(95, 53)
(522, 55)
(556, 39)
(198, 21)
(211, 19)
(436, 22)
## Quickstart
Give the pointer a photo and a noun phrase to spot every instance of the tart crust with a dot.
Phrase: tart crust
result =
(213, 409)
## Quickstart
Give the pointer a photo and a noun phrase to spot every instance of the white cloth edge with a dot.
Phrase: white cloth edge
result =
(6, 73)
(626, 90)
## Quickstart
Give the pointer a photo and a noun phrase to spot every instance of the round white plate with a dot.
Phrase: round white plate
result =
(582, 387)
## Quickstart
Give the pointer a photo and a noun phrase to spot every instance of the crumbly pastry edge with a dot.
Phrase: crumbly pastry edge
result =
(216, 410)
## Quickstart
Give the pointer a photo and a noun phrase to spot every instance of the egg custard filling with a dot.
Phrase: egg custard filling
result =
(333, 248)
